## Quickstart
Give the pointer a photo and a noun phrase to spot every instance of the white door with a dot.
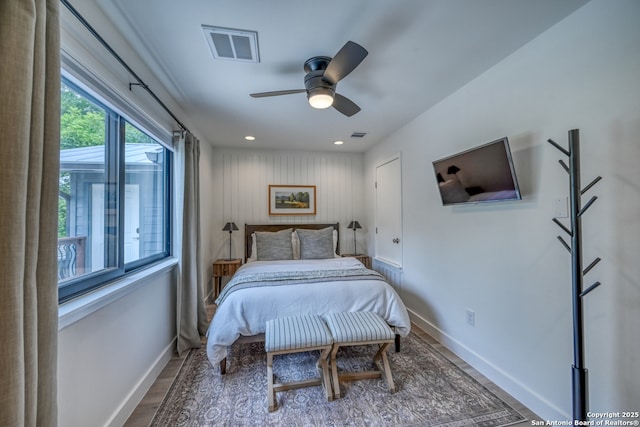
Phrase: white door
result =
(131, 222)
(97, 227)
(131, 225)
(389, 211)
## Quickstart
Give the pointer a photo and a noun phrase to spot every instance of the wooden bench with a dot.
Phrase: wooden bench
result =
(360, 328)
(294, 335)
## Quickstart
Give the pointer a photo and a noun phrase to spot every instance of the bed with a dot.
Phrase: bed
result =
(311, 278)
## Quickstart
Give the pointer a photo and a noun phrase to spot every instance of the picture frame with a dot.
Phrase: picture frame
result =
(292, 199)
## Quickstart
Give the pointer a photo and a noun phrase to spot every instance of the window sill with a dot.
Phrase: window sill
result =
(72, 311)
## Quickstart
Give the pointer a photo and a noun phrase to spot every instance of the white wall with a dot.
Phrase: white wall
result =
(503, 261)
(108, 359)
(235, 186)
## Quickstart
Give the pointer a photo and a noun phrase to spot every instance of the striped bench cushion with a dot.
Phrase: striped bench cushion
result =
(360, 326)
(297, 332)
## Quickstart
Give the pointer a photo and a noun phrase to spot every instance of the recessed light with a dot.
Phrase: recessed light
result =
(250, 138)
(338, 142)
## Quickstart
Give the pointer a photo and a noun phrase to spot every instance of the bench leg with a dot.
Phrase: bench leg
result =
(271, 394)
(334, 372)
(385, 368)
(326, 378)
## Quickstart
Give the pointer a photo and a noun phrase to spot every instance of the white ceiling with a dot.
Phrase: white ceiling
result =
(420, 51)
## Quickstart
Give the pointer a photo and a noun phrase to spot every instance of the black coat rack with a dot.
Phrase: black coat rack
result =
(579, 372)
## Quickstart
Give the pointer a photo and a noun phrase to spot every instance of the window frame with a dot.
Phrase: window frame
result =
(115, 169)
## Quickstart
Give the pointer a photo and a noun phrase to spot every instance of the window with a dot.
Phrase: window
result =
(113, 210)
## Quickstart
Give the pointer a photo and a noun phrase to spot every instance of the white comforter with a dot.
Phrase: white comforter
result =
(245, 311)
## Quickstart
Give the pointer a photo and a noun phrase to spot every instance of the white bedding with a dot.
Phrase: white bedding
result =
(245, 311)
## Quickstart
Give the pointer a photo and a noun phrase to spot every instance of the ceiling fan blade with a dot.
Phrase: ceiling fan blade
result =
(276, 93)
(345, 105)
(345, 61)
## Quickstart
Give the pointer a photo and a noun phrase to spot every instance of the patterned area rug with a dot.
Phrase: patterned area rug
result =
(432, 391)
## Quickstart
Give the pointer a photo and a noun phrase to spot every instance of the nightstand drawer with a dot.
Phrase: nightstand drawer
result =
(224, 267)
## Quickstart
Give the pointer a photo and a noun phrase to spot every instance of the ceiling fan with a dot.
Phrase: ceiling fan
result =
(323, 74)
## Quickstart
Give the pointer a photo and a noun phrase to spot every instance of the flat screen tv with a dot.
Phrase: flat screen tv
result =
(480, 175)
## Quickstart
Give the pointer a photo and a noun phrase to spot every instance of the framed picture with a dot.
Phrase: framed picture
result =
(292, 200)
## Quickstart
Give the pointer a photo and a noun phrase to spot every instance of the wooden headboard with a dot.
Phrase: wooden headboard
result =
(251, 228)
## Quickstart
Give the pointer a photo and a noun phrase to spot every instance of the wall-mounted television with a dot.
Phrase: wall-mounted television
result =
(478, 175)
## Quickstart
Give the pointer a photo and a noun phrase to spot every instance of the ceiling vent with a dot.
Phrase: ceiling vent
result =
(358, 134)
(231, 44)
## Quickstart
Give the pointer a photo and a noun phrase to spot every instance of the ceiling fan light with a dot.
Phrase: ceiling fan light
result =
(321, 98)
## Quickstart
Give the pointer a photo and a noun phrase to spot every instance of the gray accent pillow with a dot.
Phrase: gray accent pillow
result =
(316, 244)
(274, 245)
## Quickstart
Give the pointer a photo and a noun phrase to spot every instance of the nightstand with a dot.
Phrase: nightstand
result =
(223, 267)
(366, 260)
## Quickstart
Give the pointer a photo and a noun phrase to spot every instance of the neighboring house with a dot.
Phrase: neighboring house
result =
(82, 250)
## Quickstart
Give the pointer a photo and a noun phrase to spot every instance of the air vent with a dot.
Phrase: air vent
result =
(231, 44)
(358, 134)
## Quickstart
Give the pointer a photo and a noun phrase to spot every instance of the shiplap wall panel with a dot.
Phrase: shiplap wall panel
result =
(240, 191)
(391, 273)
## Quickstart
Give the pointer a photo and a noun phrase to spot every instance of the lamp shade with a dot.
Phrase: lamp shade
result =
(453, 169)
(230, 226)
(354, 225)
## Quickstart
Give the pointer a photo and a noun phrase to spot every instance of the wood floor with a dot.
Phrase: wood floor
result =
(144, 412)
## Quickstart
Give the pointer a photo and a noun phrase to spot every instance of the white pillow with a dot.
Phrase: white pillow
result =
(295, 242)
(254, 249)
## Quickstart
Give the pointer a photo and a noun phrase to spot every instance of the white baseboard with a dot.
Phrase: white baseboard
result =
(131, 401)
(532, 400)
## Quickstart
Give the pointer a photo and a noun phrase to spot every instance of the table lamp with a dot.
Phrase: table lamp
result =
(354, 225)
(230, 227)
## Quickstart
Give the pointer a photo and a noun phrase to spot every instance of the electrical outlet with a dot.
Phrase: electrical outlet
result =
(471, 317)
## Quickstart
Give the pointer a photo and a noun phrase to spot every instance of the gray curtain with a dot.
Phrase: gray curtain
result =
(29, 167)
(191, 315)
